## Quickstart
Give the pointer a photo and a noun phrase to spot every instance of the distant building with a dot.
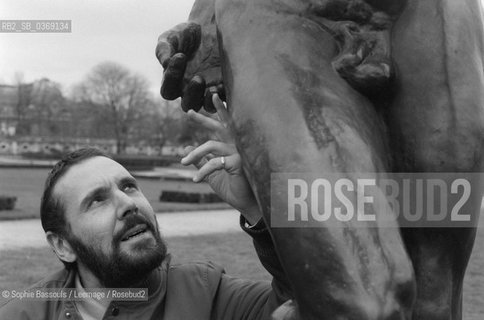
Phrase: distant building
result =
(8, 102)
(31, 124)
(34, 122)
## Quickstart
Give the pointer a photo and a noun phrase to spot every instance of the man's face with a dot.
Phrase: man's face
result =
(113, 229)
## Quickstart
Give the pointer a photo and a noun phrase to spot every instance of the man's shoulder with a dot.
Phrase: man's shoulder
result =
(57, 279)
(195, 276)
(207, 270)
(193, 285)
(197, 265)
(29, 307)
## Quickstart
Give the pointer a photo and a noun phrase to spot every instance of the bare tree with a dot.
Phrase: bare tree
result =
(24, 99)
(48, 106)
(125, 96)
(39, 106)
(168, 124)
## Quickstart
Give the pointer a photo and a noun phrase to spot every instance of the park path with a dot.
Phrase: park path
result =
(29, 233)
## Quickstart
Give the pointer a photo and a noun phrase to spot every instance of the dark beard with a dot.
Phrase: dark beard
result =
(122, 270)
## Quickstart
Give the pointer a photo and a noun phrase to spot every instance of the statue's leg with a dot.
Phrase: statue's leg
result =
(437, 123)
(292, 112)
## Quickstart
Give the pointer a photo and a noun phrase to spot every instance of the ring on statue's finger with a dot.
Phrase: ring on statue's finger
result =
(222, 160)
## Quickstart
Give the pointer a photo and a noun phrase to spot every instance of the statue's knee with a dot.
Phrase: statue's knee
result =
(404, 298)
(399, 299)
(405, 285)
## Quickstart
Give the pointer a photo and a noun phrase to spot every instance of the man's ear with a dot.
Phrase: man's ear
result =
(61, 247)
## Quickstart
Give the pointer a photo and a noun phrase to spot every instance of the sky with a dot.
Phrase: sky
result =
(123, 31)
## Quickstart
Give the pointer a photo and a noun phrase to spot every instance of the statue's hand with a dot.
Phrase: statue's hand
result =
(191, 61)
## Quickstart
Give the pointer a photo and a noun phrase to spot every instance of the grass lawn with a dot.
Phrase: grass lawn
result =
(21, 268)
(27, 184)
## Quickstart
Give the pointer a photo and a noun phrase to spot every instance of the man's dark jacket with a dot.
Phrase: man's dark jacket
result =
(189, 291)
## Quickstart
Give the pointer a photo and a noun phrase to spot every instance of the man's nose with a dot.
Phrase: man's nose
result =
(125, 205)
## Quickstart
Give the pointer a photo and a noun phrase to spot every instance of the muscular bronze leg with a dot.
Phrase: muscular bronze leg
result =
(285, 53)
(293, 113)
(436, 124)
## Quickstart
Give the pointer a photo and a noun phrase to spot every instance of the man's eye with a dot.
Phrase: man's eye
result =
(96, 200)
(129, 187)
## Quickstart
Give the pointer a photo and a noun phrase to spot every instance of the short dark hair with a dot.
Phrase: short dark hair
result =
(52, 215)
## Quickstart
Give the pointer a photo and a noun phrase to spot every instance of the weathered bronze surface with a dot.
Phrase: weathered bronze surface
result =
(346, 87)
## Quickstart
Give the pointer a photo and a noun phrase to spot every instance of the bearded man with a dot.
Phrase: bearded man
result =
(102, 228)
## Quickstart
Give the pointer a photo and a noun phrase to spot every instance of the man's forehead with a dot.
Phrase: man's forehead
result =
(90, 173)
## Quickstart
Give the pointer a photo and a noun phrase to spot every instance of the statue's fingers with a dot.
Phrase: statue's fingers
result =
(168, 45)
(189, 39)
(209, 93)
(184, 37)
(193, 94)
(221, 92)
(172, 85)
(173, 35)
(164, 51)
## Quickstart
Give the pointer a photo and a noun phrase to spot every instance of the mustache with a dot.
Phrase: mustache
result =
(132, 221)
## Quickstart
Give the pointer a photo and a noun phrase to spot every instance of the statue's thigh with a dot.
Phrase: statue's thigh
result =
(292, 113)
(436, 124)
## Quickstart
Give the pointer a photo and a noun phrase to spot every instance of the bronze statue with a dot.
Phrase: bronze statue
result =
(348, 87)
